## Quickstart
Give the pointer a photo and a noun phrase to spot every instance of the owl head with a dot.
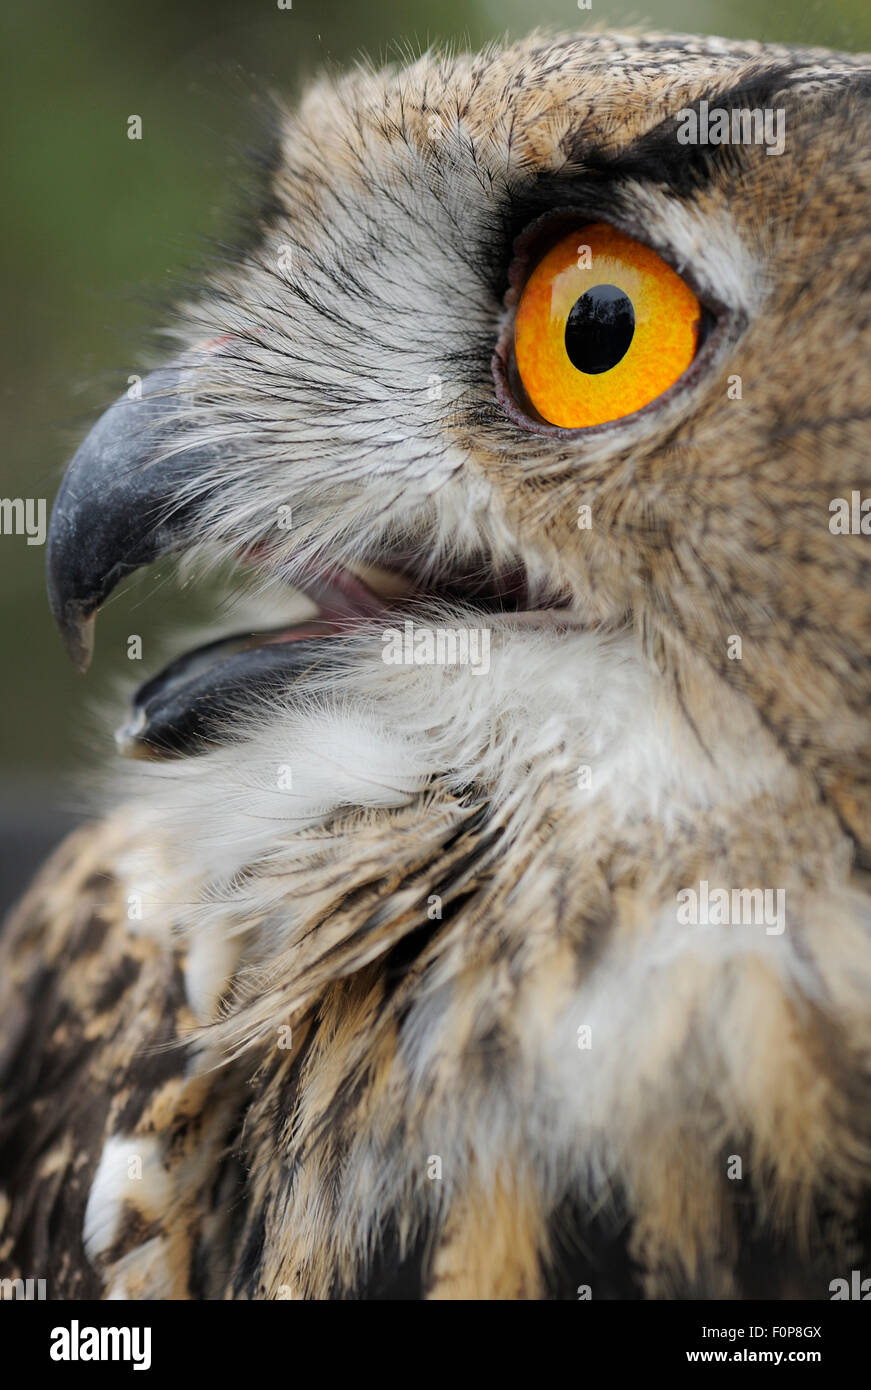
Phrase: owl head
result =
(400, 372)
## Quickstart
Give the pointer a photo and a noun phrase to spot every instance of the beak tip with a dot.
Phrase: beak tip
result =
(77, 631)
(75, 618)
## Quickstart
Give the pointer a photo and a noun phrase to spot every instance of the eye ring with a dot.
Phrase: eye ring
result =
(716, 326)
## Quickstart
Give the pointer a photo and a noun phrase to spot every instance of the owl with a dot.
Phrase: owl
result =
(496, 925)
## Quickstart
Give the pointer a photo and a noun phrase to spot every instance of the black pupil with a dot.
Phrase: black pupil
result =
(599, 329)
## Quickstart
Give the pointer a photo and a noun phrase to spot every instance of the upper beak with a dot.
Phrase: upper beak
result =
(128, 495)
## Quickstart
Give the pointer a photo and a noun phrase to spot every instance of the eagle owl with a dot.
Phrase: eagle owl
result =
(497, 925)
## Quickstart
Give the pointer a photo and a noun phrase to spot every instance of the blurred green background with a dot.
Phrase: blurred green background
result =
(100, 232)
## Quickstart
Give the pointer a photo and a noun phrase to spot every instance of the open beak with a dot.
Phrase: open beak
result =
(131, 495)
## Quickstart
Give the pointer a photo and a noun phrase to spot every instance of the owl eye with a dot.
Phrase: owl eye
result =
(603, 327)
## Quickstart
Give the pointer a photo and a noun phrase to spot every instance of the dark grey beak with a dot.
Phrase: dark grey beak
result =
(130, 496)
(119, 505)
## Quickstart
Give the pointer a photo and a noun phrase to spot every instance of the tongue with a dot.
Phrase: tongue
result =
(338, 592)
(200, 700)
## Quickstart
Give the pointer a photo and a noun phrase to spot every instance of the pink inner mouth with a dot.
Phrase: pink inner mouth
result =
(341, 597)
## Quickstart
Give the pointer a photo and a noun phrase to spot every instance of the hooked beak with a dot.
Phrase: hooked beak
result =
(128, 495)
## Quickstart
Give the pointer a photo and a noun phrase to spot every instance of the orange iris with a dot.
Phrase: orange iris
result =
(603, 327)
